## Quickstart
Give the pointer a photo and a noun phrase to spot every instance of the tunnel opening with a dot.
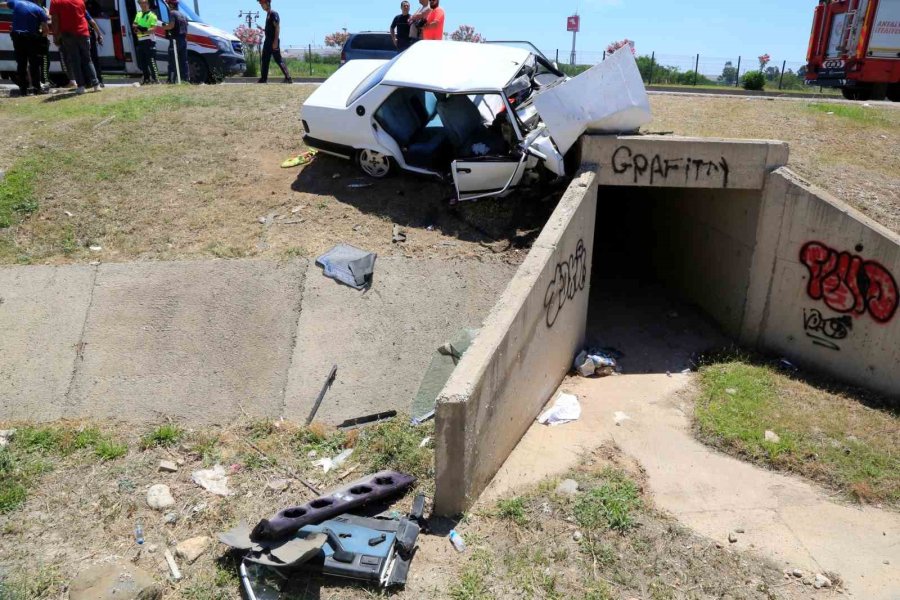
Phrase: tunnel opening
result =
(670, 273)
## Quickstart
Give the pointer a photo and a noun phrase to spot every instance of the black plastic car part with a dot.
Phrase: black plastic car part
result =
(285, 523)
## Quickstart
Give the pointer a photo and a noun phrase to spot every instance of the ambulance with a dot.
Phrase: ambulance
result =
(213, 54)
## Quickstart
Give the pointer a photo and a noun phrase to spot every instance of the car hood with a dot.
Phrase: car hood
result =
(337, 89)
(209, 30)
(607, 98)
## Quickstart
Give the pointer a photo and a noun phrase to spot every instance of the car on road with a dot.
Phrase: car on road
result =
(488, 117)
(369, 45)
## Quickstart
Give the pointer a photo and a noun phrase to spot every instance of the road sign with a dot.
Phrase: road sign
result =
(573, 23)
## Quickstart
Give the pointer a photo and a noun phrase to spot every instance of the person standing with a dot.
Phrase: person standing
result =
(417, 21)
(70, 31)
(272, 45)
(144, 24)
(29, 26)
(93, 11)
(434, 23)
(400, 28)
(176, 31)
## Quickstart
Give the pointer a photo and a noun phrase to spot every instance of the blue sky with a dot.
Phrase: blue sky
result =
(715, 28)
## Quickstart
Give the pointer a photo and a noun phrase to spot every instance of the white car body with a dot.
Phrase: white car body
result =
(489, 115)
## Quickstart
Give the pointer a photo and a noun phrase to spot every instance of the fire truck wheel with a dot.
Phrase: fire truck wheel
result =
(857, 93)
(893, 92)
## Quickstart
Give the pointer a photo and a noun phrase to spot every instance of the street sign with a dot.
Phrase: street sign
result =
(573, 23)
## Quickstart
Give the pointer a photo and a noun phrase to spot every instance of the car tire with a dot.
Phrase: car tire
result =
(198, 69)
(893, 92)
(375, 164)
(857, 93)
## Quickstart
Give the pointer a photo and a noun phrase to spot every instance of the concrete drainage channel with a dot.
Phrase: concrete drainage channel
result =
(720, 225)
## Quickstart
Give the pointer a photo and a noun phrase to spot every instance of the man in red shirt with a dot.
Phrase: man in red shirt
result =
(434, 24)
(71, 34)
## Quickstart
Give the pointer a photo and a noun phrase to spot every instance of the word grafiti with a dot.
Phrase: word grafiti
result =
(824, 332)
(569, 278)
(657, 169)
(849, 284)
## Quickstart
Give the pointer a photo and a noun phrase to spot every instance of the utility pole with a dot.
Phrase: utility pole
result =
(573, 24)
(250, 16)
(197, 7)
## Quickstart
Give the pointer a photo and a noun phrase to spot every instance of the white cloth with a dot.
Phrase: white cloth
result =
(565, 410)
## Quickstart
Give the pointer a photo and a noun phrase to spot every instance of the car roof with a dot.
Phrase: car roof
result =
(450, 67)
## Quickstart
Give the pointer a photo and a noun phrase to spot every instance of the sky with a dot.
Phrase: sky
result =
(712, 28)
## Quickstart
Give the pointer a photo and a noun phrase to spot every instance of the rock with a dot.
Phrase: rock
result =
(731, 391)
(170, 518)
(740, 530)
(159, 497)
(732, 538)
(772, 437)
(568, 487)
(821, 582)
(168, 466)
(115, 581)
(6, 434)
(279, 485)
(152, 548)
(213, 480)
(190, 550)
(797, 573)
(887, 562)
(577, 536)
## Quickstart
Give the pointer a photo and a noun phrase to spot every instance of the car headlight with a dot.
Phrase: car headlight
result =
(223, 44)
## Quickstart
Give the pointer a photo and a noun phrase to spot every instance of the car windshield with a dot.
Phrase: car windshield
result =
(189, 13)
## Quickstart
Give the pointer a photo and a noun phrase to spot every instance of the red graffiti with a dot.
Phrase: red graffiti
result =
(849, 284)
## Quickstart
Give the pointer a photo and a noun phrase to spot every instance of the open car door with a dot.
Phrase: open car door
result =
(485, 176)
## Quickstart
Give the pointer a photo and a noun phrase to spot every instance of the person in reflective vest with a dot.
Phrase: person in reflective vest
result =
(144, 24)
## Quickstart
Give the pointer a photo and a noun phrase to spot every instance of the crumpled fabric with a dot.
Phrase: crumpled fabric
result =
(565, 410)
(213, 480)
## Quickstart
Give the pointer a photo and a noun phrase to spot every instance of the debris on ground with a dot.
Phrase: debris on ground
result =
(159, 497)
(192, 549)
(328, 464)
(732, 538)
(772, 437)
(564, 410)
(567, 487)
(443, 362)
(173, 566)
(168, 466)
(278, 485)
(398, 235)
(349, 265)
(299, 160)
(329, 381)
(357, 186)
(367, 419)
(595, 363)
(213, 480)
(114, 581)
(6, 434)
(619, 417)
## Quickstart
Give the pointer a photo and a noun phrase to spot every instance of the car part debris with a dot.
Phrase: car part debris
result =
(328, 383)
(349, 265)
(443, 362)
(368, 419)
(380, 486)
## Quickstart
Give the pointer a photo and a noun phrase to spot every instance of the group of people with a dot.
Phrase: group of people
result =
(71, 25)
(427, 23)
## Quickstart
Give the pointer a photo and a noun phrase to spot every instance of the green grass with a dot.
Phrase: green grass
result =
(825, 435)
(854, 112)
(299, 68)
(164, 436)
(609, 505)
(128, 109)
(472, 583)
(224, 251)
(395, 444)
(40, 582)
(17, 195)
(513, 510)
(106, 449)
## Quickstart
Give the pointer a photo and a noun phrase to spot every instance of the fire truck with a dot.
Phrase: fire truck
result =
(855, 45)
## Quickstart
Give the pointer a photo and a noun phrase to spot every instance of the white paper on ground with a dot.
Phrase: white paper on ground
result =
(620, 417)
(565, 410)
(212, 480)
(328, 464)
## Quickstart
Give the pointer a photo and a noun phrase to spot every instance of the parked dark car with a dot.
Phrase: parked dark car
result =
(369, 45)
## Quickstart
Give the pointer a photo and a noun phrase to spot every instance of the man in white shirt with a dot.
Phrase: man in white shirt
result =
(417, 21)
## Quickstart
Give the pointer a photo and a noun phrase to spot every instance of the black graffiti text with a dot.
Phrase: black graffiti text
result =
(824, 332)
(569, 278)
(657, 169)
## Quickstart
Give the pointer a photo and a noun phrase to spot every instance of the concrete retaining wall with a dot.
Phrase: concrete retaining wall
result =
(824, 289)
(521, 355)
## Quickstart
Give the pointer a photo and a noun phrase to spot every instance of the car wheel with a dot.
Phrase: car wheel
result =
(893, 92)
(198, 70)
(374, 163)
(857, 93)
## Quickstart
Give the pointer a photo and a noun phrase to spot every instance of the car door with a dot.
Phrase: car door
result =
(486, 176)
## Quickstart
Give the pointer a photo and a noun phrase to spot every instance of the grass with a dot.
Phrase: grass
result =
(40, 582)
(854, 112)
(611, 504)
(299, 68)
(472, 584)
(395, 444)
(165, 436)
(17, 197)
(826, 435)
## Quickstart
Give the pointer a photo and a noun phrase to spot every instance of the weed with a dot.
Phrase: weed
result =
(395, 444)
(68, 244)
(38, 439)
(223, 251)
(43, 582)
(106, 449)
(472, 584)
(164, 435)
(17, 193)
(610, 504)
(12, 494)
(206, 447)
(87, 438)
(317, 438)
(513, 510)
(295, 252)
(598, 591)
(859, 114)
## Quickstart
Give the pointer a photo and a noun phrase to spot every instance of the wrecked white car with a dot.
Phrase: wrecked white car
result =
(492, 117)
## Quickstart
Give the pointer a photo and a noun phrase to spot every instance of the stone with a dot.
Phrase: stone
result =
(152, 548)
(887, 562)
(114, 581)
(159, 497)
(798, 573)
(168, 466)
(577, 536)
(170, 518)
(821, 582)
(731, 391)
(772, 437)
(739, 530)
(567, 487)
(279, 485)
(190, 550)
(732, 538)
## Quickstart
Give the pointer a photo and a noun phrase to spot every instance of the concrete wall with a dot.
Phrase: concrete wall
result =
(824, 289)
(521, 355)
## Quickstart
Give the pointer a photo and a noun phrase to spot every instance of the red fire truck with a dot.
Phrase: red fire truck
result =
(855, 45)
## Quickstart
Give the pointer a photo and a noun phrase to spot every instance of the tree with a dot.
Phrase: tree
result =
(763, 61)
(337, 39)
(729, 74)
(773, 73)
(467, 33)
(251, 38)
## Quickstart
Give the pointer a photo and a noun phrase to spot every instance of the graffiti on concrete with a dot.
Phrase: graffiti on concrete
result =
(657, 169)
(569, 279)
(848, 284)
(826, 332)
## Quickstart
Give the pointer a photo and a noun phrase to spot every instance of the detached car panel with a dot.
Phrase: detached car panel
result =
(488, 117)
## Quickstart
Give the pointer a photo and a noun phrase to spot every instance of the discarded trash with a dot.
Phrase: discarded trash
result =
(5, 436)
(731, 391)
(68, 214)
(619, 417)
(139, 533)
(328, 464)
(425, 441)
(328, 382)
(564, 410)
(356, 186)
(772, 437)
(398, 235)
(173, 567)
(416, 421)
(366, 420)
(96, 248)
(567, 487)
(212, 480)
(457, 541)
(302, 159)
(349, 265)
(787, 364)
(594, 363)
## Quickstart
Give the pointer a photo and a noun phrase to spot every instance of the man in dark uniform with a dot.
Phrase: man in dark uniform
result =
(93, 12)
(29, 25)
(272, 44)
(176, 31)
(400, 28)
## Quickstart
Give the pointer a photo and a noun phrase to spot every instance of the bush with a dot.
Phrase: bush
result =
(754, 81)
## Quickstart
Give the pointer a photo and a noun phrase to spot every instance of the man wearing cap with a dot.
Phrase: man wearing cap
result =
(29, 27)
(144, 24)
